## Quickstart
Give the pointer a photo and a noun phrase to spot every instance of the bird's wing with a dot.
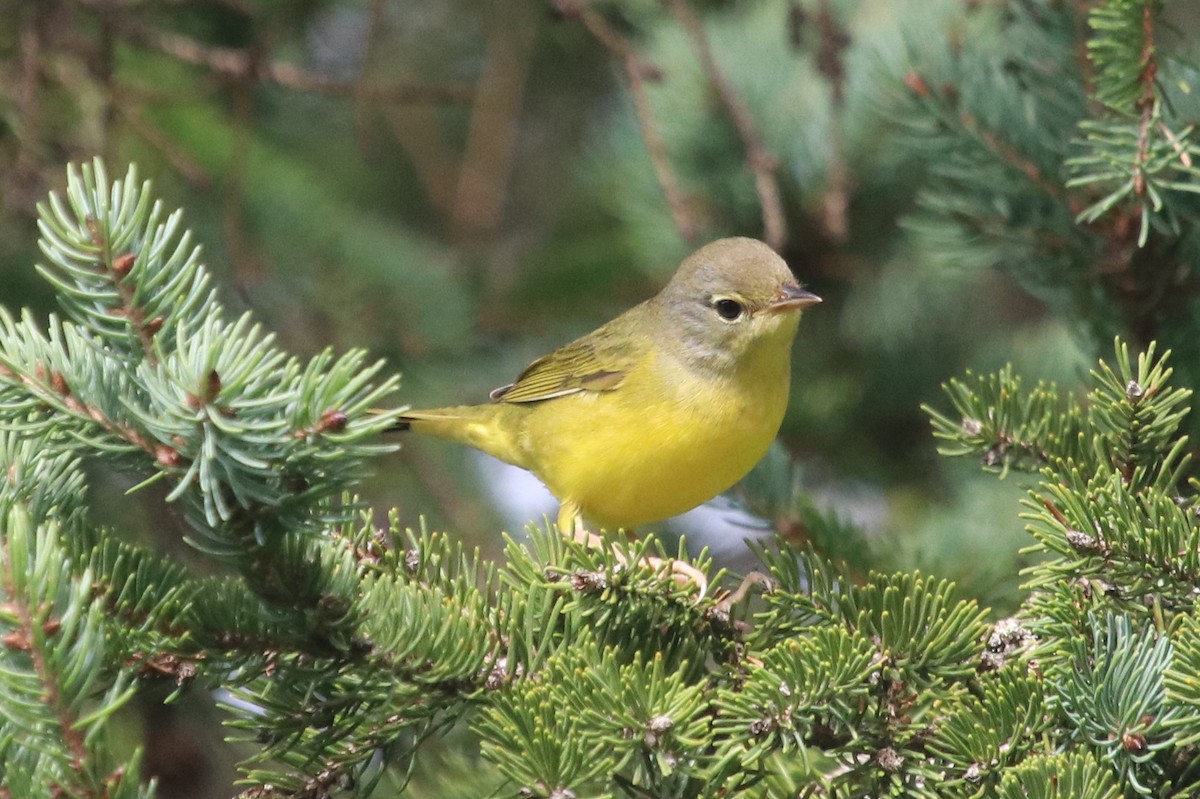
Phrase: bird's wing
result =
(590, 364)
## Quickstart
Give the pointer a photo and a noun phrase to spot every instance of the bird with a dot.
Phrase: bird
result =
(657, 411)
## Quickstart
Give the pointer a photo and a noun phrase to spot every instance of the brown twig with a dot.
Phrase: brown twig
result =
(1147, 102)
(53, 391)
(28, 106)
(248, 269)
(1009, 155)
(486, 165)
(238, 63)
(179, 158)
(656, 147)
(114, 268)
(638, 70)
(371, 43)
(759, 160)
(946, 110)
(835, 200)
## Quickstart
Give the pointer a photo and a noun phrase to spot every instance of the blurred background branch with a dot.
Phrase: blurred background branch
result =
(638, 71)
(759, 161)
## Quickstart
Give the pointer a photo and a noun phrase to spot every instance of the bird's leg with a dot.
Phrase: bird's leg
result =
(570, 524)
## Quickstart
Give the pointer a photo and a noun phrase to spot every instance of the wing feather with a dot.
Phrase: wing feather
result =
(591, 363)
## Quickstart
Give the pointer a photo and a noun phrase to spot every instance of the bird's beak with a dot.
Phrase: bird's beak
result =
(792, 298)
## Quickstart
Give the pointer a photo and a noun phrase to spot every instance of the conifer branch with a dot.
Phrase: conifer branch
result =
(53, 652)
(1132, 151)
(28, 635)
(339, 647)
(982, 140)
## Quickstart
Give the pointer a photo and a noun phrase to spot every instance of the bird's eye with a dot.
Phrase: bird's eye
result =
(729, 310)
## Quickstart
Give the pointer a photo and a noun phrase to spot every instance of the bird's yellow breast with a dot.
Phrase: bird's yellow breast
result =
(660, 444)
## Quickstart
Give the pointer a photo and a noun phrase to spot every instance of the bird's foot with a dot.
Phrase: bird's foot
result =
(681, 572)
(724, 603)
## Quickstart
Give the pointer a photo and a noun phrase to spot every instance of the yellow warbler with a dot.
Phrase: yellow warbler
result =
(659, 410)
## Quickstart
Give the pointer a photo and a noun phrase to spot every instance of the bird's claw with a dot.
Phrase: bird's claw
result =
(753, 578)
(681, 572)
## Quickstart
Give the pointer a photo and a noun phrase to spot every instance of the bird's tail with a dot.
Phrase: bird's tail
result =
(439, 422)
(484, 427)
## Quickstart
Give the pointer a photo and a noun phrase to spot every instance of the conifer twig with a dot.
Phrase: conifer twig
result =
(759, 160)
(1003, 150)
(1147, 102)
(25, 638)
(1010, 156)
(115, 266)
(55, 392)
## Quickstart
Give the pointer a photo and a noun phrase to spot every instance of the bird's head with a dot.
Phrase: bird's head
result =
(731, 299)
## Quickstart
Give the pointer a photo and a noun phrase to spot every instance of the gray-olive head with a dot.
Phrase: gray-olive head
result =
(733, 298)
